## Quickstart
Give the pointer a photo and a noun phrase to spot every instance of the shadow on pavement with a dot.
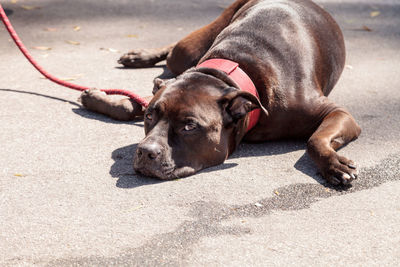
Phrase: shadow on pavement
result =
(304, 164)
(351, 16)
(81, 111)
(127, 178)
(167, 74)
(138, 9)
(123, 169)
(42, 95)
(9, 12)
(268, 148)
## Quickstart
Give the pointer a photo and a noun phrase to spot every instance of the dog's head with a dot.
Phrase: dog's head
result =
(193, 122)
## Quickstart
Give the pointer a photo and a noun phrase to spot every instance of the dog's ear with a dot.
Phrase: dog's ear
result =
(236, 104)
(160, 84)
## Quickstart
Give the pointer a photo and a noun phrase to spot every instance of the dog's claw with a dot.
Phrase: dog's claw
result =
(352, 166)
(346, 179)
(338, 170)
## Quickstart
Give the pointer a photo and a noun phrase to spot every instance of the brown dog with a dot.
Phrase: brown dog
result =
(293, 51)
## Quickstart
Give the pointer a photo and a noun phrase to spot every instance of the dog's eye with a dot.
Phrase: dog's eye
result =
(190, 127)
(149, 116)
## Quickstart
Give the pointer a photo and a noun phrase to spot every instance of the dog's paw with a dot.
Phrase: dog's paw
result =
(140, 58)
(339, 170)
(91, 95)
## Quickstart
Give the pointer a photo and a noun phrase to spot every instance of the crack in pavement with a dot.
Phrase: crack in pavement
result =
(175, 247)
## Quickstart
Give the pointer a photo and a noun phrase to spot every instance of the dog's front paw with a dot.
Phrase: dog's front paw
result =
(123, 109)
(140, 58)
(91, 97)
(337, 169)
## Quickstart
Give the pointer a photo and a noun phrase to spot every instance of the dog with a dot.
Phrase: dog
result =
(261, 71)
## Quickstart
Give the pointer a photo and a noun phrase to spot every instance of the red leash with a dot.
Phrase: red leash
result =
(24, 51)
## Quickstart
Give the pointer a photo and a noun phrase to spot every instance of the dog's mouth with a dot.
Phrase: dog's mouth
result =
(160, 173)
(168, 173)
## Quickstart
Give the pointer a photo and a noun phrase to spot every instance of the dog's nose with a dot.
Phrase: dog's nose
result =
(151, 151)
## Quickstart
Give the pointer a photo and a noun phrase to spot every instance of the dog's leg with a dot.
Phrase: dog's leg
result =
(143, 58)
(187, 52)
(123, 109)
(337, 129)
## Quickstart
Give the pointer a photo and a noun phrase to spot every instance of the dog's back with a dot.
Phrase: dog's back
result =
(281, 37)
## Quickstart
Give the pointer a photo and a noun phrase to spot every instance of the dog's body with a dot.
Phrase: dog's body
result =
(294, 53)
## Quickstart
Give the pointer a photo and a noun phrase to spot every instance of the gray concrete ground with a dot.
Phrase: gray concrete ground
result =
(69, 196)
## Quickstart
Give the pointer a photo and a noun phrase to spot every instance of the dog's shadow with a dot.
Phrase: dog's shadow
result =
(91, 115)
(166, 74)
(304, 164)
(123, 157)
(122, 168)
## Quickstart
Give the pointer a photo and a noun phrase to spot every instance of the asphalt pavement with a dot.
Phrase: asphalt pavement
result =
(69, 195)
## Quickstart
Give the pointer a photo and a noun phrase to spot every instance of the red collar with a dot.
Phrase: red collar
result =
(233, 70)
